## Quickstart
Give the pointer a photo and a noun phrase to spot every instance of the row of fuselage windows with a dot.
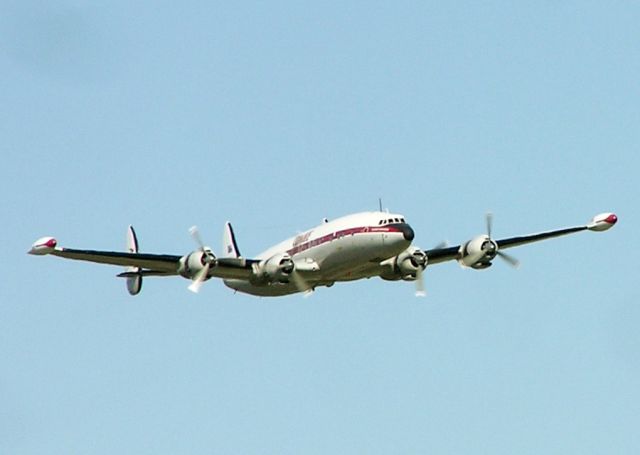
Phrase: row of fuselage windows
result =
(391, 221)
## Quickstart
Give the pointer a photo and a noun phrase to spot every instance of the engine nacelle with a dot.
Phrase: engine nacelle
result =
(194, 262)
(276, 269)
(405, 265)
(478, 252)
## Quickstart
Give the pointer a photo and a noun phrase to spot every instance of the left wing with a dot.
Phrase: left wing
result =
(479, 251)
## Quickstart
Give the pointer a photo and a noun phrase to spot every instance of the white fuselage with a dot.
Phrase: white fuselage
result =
(344, 249)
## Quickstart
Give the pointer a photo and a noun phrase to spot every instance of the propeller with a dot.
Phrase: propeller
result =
(207, 259)
(298, 280)
(419, 261)
(199, 279)
(195, 234)
(441, 245)
(512, 261)
(300, 283)
(420, 289)
(489, 221)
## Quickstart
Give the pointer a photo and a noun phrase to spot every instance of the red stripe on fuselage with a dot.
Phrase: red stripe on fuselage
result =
(338, 235)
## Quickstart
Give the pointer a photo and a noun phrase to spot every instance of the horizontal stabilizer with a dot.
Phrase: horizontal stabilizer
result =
(132, 274)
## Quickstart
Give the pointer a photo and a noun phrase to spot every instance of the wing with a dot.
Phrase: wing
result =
(160, 264)
(146, 263)
(600, 222)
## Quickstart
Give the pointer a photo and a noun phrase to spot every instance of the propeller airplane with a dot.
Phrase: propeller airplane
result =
(361, 245)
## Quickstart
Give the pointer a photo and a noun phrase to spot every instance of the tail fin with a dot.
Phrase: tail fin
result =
(229, 245)
(134, 282)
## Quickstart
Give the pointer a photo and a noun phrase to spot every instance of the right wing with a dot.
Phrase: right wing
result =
(148, 264)
(159, 264)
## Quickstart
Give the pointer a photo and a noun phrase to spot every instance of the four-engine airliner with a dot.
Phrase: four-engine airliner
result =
(352, 247)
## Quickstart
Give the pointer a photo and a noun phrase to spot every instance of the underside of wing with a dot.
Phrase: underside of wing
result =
(439, 255)
(233, 268)
(161, 264)
(524, 239)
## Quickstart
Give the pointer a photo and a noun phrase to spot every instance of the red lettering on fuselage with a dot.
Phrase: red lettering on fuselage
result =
(301, 238)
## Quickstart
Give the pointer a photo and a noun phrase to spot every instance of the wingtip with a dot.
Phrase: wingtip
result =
(603, 222)
(43, 245)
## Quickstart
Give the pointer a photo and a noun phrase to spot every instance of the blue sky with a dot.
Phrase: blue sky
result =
(274, 115)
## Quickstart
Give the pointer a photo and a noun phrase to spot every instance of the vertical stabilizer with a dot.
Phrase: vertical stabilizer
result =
(229, 245)
(134, 282)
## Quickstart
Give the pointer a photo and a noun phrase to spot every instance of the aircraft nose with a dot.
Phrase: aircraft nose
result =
(407, 232)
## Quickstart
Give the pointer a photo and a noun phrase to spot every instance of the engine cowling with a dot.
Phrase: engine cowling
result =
(478, 252)
(405, 265)
(194, 262)
(276, 269)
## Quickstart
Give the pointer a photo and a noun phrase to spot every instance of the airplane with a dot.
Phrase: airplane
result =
(356, 246)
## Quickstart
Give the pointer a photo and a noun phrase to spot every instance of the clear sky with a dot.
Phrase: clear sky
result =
(273, 115)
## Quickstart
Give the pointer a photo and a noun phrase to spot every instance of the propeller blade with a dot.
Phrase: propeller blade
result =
(513, 262)
(195, 233)
(300, 283)
(420, 289)
(489, 221)
(441, 245)
(198, 281)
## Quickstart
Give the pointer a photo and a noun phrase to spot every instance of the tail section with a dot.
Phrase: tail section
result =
(229, 245)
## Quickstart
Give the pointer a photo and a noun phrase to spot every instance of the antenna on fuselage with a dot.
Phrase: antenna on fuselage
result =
(380, 205)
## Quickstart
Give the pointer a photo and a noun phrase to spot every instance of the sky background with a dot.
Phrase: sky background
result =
(273, 115)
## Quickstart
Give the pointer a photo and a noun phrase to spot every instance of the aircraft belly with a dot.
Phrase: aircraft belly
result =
(268, 290)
